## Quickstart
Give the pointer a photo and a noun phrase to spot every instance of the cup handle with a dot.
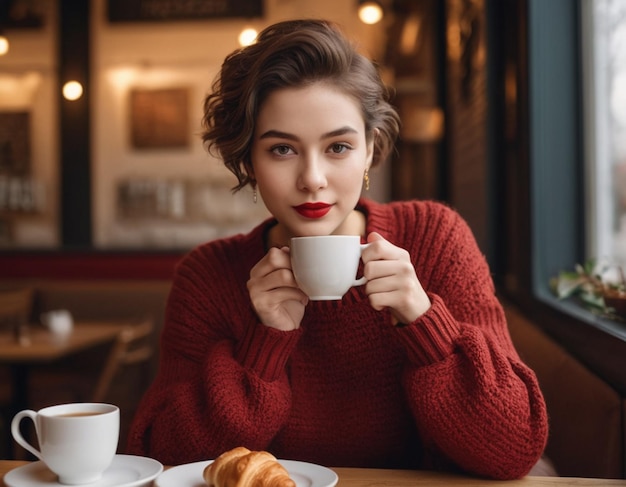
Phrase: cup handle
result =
(17, 435)
(362, 280)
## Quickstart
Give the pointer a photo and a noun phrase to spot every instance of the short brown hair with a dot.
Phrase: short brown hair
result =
(291, 54)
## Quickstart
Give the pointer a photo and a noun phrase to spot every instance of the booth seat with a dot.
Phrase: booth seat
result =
(587, 430)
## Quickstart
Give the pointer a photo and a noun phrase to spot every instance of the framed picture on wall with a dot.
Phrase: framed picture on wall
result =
(14, 143)
(159, 118)
(171, 10)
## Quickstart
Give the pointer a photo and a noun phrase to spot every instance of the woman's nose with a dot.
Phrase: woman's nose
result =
(312, 174)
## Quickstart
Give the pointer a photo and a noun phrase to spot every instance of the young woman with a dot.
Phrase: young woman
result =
(416, 369)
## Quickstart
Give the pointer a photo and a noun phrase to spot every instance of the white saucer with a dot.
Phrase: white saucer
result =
(125, 471)
(303, 474)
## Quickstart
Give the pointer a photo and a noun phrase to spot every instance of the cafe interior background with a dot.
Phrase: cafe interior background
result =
(513, 112)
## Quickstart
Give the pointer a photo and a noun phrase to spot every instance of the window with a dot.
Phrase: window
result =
(604, 83)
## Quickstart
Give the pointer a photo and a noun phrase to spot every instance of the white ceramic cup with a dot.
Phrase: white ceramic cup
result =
(77, 441)
(59, 321)
(325, 267)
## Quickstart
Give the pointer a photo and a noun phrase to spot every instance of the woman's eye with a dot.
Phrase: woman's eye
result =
(339, 148)
(281, 150)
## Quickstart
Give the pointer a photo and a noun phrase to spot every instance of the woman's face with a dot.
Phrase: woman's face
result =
(309, 155)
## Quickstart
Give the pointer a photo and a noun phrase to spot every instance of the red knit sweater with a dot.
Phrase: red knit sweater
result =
(346, 389)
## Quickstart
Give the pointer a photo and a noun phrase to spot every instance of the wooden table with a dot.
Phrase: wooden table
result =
(365, 477)
(42, 347)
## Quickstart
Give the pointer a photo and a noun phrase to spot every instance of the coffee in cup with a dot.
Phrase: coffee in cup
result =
(77, 441)
(325, 267)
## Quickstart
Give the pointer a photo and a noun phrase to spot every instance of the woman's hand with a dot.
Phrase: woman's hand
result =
(275, 296)
(392, 282)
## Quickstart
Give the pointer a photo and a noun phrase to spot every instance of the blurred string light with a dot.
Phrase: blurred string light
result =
(370, 12)
(4, 45)
(72, 90)
(247, 36)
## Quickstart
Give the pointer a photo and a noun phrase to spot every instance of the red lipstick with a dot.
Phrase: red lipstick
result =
(313, 210)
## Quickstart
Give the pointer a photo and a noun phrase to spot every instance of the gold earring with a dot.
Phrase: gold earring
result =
(366, 179)
(252, 183)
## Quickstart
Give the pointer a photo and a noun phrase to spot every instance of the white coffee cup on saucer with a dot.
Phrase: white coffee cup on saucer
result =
(77, 441)
(325, 267)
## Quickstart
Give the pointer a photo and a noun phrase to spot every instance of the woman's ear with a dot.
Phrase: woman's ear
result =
(371, 142)
(250, 173)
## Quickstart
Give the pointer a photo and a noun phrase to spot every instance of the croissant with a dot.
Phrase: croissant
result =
(241, 467)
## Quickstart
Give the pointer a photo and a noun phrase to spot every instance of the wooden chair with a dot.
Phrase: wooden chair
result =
(132, 346)
(15, 309)
(105, 374)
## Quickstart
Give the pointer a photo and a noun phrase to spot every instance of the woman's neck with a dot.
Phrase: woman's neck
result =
(354, 224)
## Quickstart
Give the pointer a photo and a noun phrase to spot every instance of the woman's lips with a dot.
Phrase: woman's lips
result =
(313, 210)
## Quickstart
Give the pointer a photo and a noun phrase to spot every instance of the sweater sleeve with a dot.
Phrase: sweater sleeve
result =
(477, 406)
(221, 381)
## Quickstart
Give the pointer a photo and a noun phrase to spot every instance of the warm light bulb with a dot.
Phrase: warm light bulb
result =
(72, 90)
(4, 45)
(370, 12)
(247, 36)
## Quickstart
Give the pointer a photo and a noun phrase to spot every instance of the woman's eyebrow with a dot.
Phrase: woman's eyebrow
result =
(340, 131)
(284, 135)
(277, 134)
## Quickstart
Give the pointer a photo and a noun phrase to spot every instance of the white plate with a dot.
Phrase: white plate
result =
(303, 474)
(125, 471)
